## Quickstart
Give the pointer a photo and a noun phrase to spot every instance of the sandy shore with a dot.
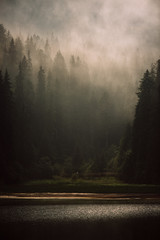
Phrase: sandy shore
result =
(100, 196)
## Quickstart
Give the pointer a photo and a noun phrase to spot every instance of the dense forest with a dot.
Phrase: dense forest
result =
(56, 121)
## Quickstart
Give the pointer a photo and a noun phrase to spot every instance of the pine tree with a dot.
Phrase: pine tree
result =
(19, 49)
(12, 52)
(41, 114)
(141, 128)
(59, 69)
(24, 104)
(3, 46)
(153, 150)
(24, 87)
(41, 91)
(2, 36)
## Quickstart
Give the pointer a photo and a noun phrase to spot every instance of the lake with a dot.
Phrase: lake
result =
(80, 221)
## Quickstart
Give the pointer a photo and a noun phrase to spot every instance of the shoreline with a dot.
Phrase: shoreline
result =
(76, 198)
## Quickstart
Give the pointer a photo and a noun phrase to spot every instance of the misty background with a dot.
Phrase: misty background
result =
(119, 38)
(102, 31)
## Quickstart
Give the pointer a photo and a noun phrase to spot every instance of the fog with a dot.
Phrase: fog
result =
(107, 28)
(118, 39)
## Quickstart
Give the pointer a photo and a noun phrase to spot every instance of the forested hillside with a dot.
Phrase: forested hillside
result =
(54, 119)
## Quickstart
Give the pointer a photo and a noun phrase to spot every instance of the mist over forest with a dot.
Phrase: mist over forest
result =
(75, 96)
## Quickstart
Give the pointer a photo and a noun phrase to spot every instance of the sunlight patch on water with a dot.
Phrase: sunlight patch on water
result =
(56, 213)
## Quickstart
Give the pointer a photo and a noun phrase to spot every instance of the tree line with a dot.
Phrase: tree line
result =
(56, 121)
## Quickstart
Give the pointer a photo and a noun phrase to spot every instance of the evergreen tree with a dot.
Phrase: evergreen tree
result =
(24, 103)
(41, 112)
(141, 128)
(153, 167)
(3, 47)
(143, 164)
(19, 49)
(2, 36)
(12, 52)
(60, 79)
(59, 67)
(12, 59)
(41, 87)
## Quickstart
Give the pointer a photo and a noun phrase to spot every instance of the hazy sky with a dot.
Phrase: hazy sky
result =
(120, 39)
(104, 30)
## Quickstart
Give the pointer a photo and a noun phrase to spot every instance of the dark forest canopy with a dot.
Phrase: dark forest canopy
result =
(56, 121)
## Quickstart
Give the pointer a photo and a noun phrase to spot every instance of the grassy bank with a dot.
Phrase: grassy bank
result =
(101, 185)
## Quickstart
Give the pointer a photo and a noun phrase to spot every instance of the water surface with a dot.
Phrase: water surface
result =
(86, 221)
